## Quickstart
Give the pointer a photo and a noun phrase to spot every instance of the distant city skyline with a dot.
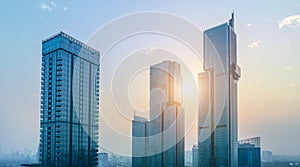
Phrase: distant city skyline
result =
(268, 52)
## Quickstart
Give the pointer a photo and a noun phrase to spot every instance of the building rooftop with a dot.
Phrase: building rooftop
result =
(254, 141)
(73, 40)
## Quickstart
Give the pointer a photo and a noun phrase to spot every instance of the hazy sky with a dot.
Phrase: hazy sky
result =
(268, 53)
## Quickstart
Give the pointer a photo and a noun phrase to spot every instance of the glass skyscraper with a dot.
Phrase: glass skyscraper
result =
(166, 128)
(69, 103)
(218, 135)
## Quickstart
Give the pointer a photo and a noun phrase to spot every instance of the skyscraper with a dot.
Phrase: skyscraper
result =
(69, 102)
(218, 138)
(166, 128)
(140, 128)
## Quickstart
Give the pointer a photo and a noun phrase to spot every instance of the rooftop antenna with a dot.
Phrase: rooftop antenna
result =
(231, 21)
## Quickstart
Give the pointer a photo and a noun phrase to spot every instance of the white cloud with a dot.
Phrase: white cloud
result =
(291, 21)
(45, 6)
(249, 25)
(255, 44)
(53, 4)
(65, 8)
(50, 7)
(148, 51)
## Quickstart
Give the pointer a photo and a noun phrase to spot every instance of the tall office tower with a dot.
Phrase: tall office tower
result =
(217, 135)
(195, 155)
(139, 141)
(166, 128)
(69, 102)
(249, 152)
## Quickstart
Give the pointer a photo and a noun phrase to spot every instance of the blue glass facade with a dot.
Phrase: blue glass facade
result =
(249, 155)
(249, 152)
(69, 103)
(218, 138)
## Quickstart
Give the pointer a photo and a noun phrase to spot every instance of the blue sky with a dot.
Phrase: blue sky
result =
(268, 52)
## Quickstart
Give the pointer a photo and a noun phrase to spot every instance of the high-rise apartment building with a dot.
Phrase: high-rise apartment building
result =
(218, 138)
(69, 103)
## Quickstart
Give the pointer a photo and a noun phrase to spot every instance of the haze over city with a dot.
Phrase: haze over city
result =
(268, 53)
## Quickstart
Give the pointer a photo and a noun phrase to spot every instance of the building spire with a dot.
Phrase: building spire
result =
(231, 21)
